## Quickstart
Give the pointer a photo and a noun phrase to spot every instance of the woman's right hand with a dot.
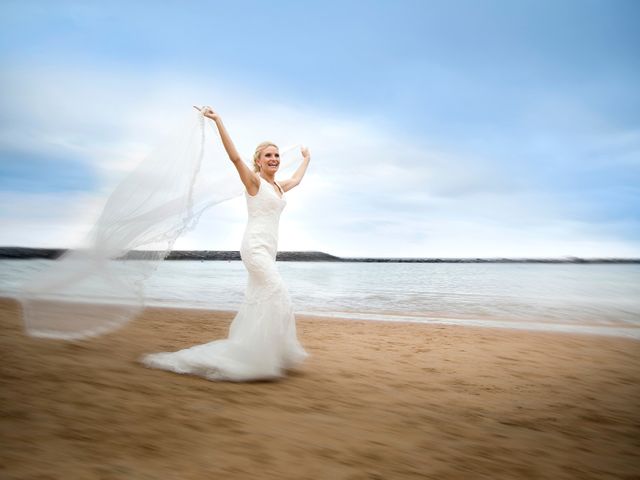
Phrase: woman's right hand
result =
(208, 112)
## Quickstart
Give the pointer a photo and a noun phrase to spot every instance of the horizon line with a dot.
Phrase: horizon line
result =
(475, 257)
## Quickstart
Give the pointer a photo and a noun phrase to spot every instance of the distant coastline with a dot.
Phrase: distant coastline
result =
(19, 253)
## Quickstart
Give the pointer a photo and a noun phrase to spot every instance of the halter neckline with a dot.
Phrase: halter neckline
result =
(281, 197)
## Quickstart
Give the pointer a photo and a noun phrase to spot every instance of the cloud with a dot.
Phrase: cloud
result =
(370, 189)
(46, 219)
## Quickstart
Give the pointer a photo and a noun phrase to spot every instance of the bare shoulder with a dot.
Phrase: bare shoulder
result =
(249, 177)
(255, 179)
(253, 184)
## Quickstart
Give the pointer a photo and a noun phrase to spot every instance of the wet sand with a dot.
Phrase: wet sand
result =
(375, 400)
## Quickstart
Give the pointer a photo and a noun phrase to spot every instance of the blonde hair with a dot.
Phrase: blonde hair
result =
(256, 155)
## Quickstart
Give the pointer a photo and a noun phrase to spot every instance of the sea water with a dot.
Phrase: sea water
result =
(589, 298)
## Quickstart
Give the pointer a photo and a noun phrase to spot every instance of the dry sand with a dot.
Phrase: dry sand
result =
(375, 400)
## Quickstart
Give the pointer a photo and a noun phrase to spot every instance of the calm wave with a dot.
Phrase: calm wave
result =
(590, 298)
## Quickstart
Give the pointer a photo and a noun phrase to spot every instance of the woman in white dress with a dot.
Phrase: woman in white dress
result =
(262, 342)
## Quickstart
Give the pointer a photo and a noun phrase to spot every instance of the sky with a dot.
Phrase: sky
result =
(451, 129)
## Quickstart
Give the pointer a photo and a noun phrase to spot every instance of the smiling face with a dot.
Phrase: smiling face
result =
(270, 159)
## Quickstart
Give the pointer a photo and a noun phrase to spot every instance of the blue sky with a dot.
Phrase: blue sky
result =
(437, 129)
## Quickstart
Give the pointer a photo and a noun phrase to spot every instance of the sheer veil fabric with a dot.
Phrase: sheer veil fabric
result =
(99, 286)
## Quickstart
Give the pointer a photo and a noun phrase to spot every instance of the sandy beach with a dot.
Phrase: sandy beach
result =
(375, 400)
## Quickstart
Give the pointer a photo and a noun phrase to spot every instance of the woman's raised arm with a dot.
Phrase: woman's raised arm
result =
(226, 139)
(296, 178)
(249, 178)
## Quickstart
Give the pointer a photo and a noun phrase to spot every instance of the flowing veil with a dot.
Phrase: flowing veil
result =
(98, 287)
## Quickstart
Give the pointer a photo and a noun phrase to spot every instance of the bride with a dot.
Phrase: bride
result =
(262, 341)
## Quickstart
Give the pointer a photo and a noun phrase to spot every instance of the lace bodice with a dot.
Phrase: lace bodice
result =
(266, 202)
(264, 209)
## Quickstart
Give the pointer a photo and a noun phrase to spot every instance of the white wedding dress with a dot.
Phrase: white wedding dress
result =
(262, 342)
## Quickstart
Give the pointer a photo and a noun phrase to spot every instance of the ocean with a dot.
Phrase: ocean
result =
(587, 298)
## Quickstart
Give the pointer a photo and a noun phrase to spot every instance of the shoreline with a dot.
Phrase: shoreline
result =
(374, 400)
(617, 331)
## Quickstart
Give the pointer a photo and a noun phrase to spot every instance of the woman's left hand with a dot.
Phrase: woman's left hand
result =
(305, 152)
